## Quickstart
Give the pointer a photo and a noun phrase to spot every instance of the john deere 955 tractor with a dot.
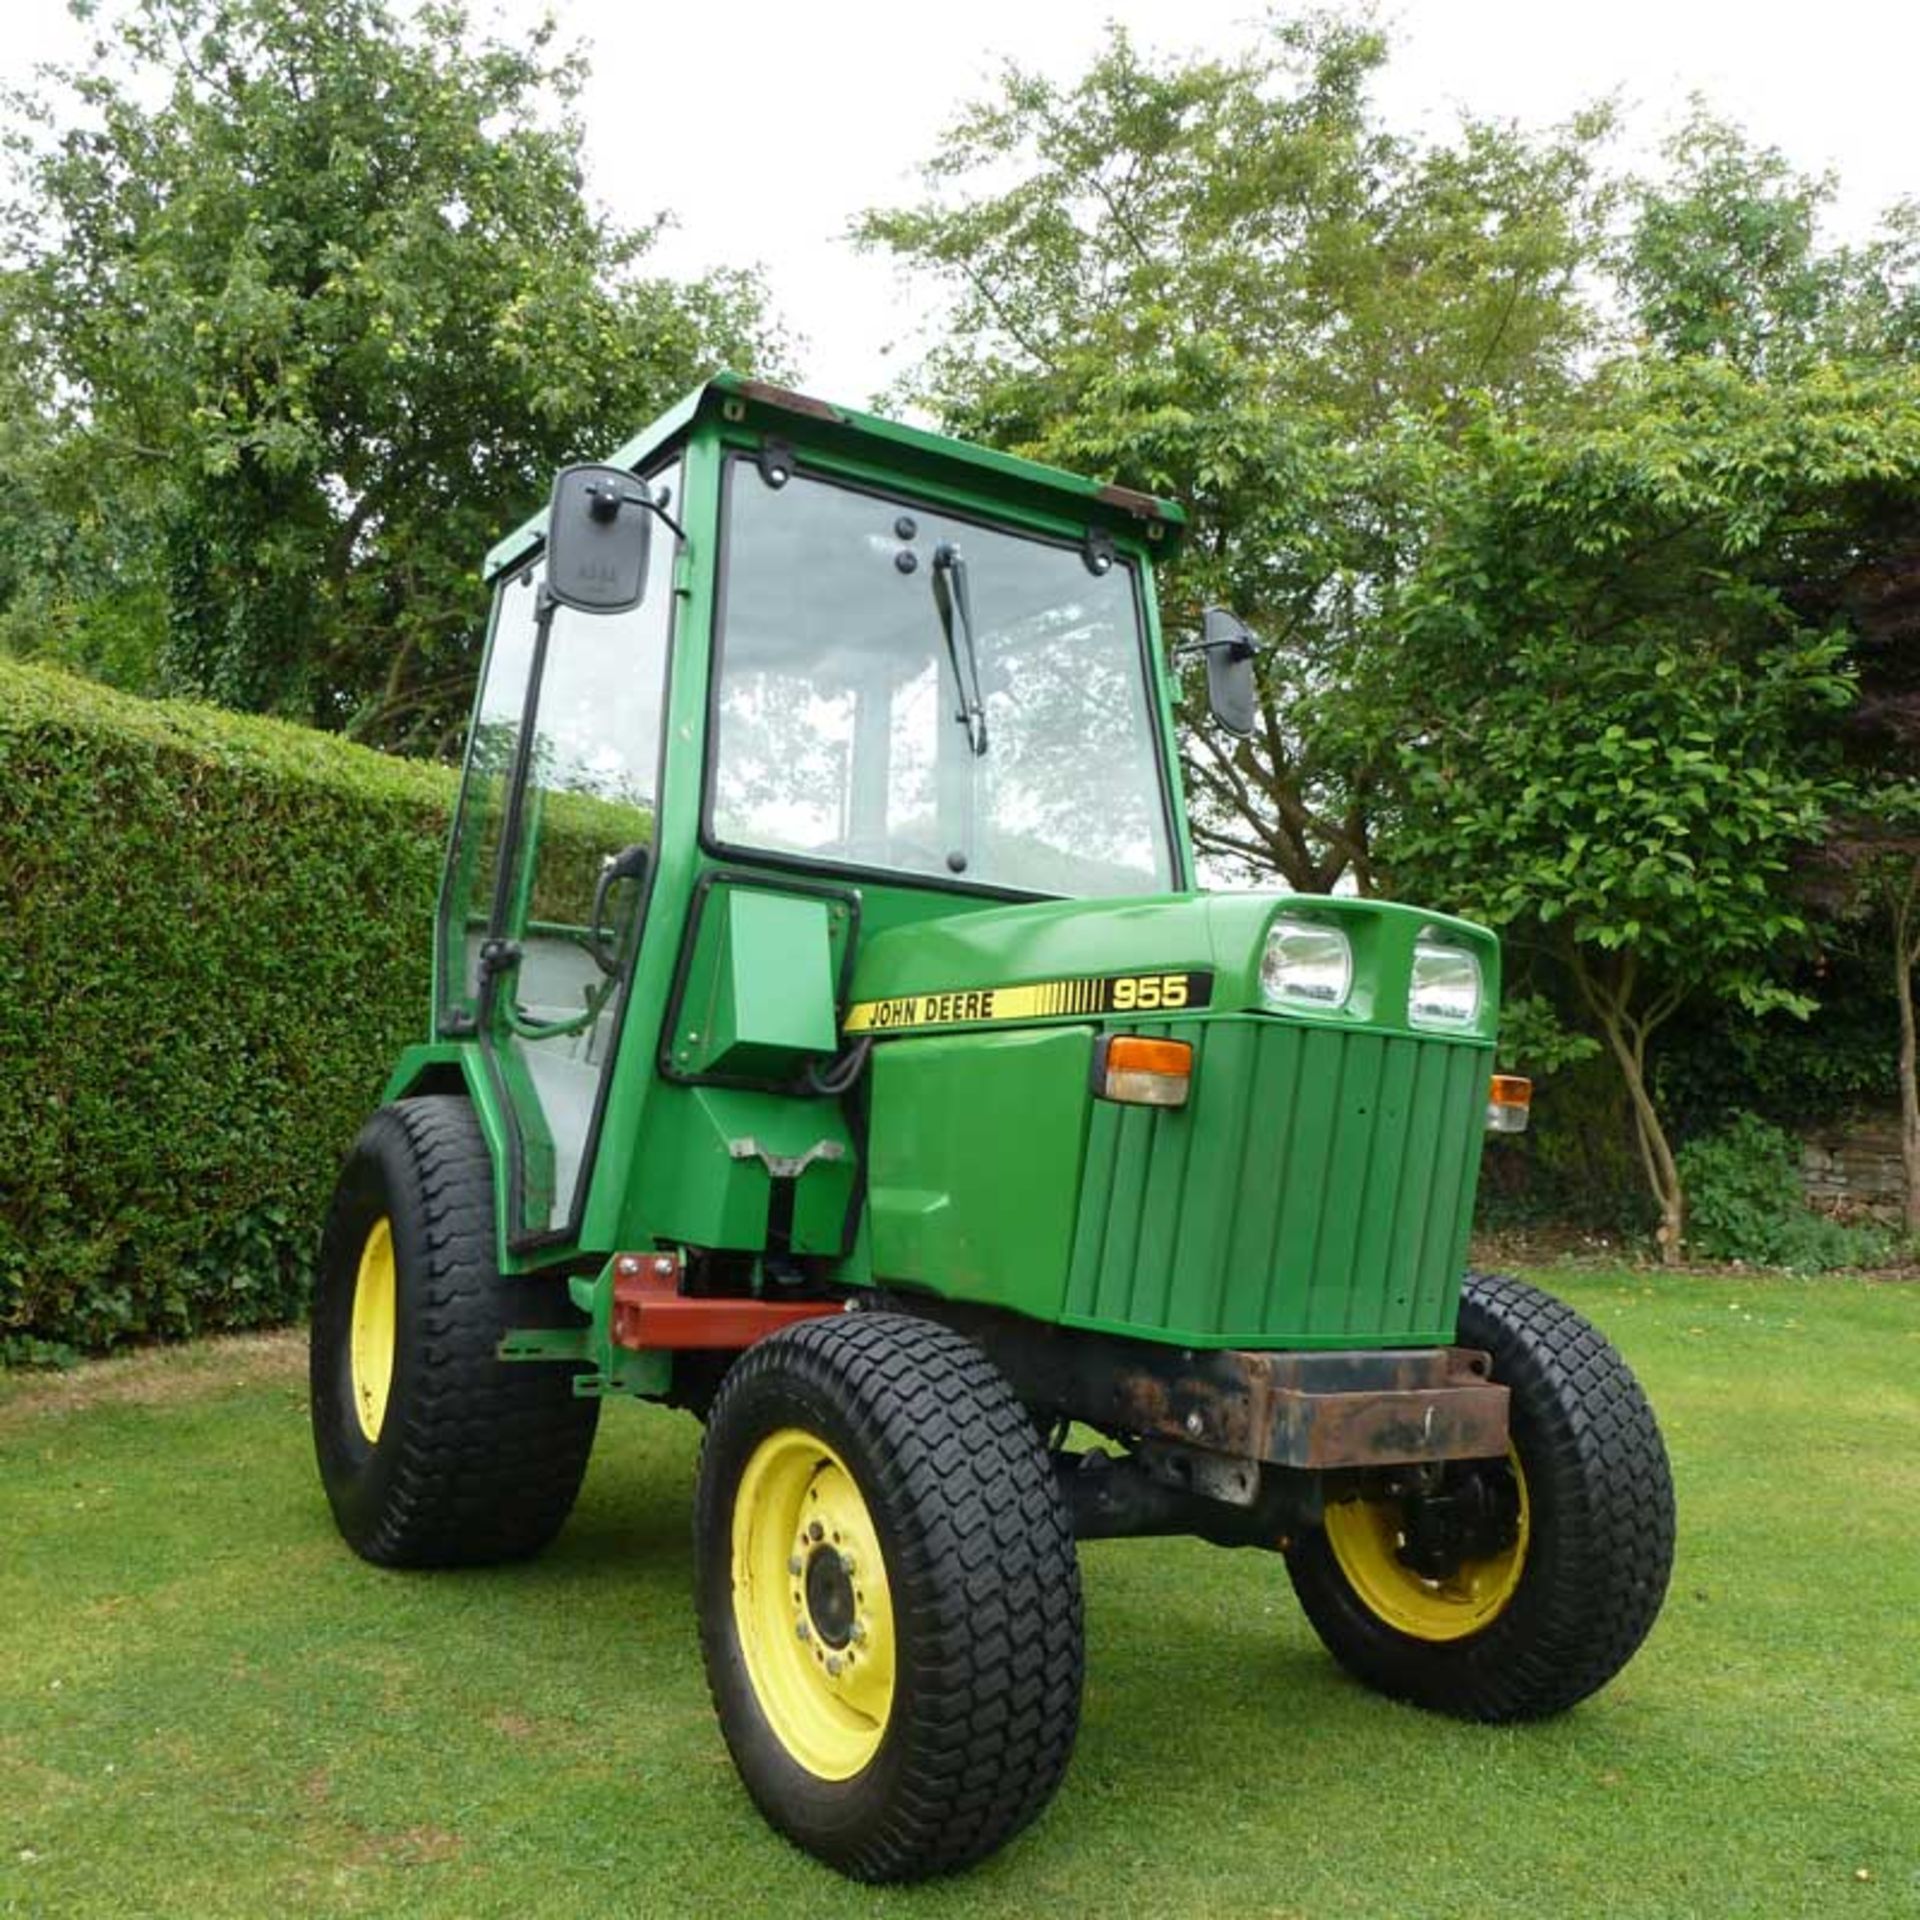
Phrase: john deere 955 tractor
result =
(829, 1037)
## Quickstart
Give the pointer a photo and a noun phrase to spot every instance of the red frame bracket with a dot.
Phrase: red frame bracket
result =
(651, 1314)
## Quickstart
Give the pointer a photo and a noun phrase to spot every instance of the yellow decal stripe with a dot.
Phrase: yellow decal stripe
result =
(1037, 1000)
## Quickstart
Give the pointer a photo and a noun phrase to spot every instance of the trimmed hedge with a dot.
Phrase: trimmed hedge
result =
(217, 934)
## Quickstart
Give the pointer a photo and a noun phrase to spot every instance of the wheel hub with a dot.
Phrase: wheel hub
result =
(829, 1596)
(1475, 1517)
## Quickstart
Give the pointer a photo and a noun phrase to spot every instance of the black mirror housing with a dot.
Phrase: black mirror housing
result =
(599, 537)
(1230, 649)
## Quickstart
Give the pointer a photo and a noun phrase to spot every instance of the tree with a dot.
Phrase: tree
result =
(1225, 280)
(1723, 257)
(327, 315)
(1606, 725)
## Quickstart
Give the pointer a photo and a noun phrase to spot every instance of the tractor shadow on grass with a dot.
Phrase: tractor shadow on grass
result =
(631, 1531)
(640, 1546)
(1248, 1664)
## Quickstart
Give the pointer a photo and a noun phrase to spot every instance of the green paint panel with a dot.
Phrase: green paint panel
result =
(974, 1174)
(708, 1175)
(1315, 1192)
(759, 997)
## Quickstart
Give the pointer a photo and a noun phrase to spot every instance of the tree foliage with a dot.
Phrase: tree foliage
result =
(1724, 257)
(321, 318)
(1609, 724)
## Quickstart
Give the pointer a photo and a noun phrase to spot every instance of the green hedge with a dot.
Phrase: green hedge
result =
(217, 934)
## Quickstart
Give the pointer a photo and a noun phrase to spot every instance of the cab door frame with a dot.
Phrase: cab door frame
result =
(473, 992)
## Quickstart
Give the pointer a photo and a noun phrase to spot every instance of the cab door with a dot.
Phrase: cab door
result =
(545, 898)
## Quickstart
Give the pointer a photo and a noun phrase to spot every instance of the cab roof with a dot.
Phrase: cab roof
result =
(779, 412)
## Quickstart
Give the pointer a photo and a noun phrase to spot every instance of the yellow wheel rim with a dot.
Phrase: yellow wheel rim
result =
(370, 1337)
(1365, 1536)
(811, 1604)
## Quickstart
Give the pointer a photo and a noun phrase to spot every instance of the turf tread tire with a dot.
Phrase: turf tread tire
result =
(1601, 1552)
(984, 1579)
(479, 1460)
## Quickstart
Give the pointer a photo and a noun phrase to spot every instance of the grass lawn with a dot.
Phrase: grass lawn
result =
(209, 1707)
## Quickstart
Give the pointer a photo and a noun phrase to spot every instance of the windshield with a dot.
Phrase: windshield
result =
(899, 688)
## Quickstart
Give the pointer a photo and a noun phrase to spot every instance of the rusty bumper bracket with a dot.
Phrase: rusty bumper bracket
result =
(1390, 1408)
(1371, 1407)
(1384, 1408)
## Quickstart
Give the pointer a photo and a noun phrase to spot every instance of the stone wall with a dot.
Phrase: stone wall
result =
(1854, 1166)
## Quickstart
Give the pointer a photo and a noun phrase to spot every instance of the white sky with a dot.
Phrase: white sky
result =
(766, 128)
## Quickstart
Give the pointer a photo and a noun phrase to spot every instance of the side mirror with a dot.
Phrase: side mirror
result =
(1230, 648)
(599, 534)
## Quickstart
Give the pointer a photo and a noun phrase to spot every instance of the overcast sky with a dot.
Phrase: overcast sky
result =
(766, 128)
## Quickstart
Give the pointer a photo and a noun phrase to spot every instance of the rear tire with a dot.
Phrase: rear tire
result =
(888, 1594)
(434, 1452)
(1526, 1629)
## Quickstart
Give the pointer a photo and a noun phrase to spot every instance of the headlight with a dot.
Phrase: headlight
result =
(1306, 964)
(1446, 984)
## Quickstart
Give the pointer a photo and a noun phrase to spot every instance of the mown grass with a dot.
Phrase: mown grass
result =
(208, 1707)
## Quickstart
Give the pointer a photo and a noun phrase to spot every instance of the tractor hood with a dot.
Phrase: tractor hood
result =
(1068, 960)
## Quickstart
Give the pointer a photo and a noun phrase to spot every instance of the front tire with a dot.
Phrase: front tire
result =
(433, 1451)
(888, 1595)
(1568, 1541)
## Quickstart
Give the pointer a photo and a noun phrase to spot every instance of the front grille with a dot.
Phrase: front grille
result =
(1316, 1192)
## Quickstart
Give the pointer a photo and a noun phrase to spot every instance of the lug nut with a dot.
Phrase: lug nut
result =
(846, 1565)
(816, 1532)
(1195, 1425)
(795, 1564)
(858, 1633)
(804, 1631)
(833, 1665)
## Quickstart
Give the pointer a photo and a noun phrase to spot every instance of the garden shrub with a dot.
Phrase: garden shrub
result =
(1745, 1202)
(216, 937)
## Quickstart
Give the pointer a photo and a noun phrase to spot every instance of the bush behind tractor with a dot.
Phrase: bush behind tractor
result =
(829, 1038)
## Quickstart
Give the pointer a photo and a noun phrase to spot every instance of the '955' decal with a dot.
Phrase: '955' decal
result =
(1038, 1000)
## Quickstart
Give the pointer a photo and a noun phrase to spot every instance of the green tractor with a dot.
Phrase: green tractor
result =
(829, 1038)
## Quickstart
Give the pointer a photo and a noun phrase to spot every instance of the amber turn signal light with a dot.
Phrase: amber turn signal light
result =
(1508, 1100)
(1140, 1072)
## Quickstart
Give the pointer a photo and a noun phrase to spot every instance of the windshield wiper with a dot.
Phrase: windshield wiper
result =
(949, 593)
